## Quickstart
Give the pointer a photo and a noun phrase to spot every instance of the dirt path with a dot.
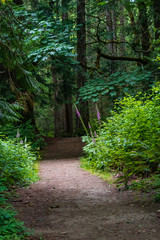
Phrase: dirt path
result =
(71, 204)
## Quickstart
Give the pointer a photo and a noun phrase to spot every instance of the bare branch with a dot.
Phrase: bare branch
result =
(122, 58)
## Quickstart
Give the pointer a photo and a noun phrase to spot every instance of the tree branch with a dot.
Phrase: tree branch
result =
(109, 41)
(122, 58)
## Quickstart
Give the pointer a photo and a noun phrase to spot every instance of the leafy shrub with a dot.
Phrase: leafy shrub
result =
(10, 227)
(17, 163)
(129, 141)
(26, 130)
(116, 85)
(17, 167)
(151, 184)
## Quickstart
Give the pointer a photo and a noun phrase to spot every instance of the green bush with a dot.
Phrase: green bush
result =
(129, 141)
(149, 185)
(10, 227)
(17, 167)
(27, 131)
(17, 163)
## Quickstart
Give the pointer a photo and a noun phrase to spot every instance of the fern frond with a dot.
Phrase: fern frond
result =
(9, 112)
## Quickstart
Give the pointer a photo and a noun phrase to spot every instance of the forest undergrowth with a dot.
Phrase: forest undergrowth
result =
(18, 168)
(57, 53)
(127, 144)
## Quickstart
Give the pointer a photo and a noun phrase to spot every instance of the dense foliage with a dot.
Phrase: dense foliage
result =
(55, 53)
(10, 227)
(27, 133)
(129, 140)
(17, 168)
(17, 163)
(116, 86)
(58, 52)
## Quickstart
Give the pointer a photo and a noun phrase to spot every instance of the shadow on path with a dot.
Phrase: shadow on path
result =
(71, 204)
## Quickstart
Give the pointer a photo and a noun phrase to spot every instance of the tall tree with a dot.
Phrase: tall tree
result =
(156, 8)
(67, 89)
(81, 58)
(59, 108)
(144, 30)
(111, 30)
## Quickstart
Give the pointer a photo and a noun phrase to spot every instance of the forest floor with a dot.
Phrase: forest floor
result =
(68, 203)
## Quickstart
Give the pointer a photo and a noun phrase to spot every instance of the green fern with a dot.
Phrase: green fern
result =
(9, 112)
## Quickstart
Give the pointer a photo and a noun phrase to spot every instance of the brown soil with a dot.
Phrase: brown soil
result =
(69, 203)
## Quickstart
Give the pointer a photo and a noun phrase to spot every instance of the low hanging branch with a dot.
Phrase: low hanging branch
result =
(122, 58)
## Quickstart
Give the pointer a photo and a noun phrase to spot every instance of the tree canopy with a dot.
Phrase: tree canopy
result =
(56, 53)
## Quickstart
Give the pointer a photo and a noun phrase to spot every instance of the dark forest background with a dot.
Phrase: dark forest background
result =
(56, 53)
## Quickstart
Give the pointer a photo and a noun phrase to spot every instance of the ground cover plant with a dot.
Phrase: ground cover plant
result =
(17, 168)
(129, 141)
(10, 227)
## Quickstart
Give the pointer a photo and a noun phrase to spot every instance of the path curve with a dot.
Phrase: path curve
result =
(69, 203)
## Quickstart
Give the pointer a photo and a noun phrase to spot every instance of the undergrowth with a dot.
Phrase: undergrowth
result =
(107, 176)
(128, 142)
(10, 227)
(27, 132)
(149, 185)
(17, 168)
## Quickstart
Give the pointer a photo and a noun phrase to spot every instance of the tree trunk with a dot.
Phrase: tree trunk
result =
(136, 41)
(111, 29)
(68, 99)
(156, 9)
(122, 26)
(59, 111)
(69, 118)
(143, 20)
(59, 108)
(81, 58)
(145, 36)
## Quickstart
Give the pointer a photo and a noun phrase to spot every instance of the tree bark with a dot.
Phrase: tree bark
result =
(122, 25)
(111, 29)
(68, 98)
(136, 41)
(143, 20)
(59, 108)
(81, 58)
(59, 111)
(156, 9)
